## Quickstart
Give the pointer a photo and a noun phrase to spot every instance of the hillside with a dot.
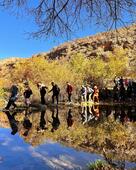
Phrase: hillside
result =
(98, 45)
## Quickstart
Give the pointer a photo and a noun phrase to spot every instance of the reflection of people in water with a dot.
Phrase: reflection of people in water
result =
(116, 113)
(95, 111)
(86, 114)
(55, 119)
(26, 123)
(43, 120)
(83, 113)
(131, 112)
(108, 110)
(13, 122)
(123, 116)
(70, 120)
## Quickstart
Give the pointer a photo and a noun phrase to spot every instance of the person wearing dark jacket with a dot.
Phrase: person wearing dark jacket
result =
(42, 88)
(55, 92)
(27, 94)
(13, 96)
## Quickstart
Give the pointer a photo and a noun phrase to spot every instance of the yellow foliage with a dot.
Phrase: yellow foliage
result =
(77, 70)
(117, 64)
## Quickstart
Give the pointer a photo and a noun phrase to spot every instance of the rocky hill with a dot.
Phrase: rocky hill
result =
(98, 45)
(7, 64)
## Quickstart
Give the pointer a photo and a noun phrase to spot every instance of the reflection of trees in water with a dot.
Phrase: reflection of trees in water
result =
(116, 164)
(102, 127)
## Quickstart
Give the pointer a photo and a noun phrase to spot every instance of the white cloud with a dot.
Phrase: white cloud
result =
(17, 149)
(5, 141)
(61, 163)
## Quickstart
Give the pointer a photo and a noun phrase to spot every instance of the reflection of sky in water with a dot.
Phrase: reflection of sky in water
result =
(15, 154)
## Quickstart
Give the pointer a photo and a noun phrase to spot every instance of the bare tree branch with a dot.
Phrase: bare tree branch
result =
(61, 17)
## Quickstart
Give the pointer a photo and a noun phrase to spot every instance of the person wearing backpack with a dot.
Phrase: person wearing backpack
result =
(42, 88)
(55, 92)
(69, 90)
(13, 97)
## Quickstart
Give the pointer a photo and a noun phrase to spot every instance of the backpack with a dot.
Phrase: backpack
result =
(43, 90)
(57, 89)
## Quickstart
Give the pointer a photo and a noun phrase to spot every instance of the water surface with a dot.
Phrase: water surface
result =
(67, 137)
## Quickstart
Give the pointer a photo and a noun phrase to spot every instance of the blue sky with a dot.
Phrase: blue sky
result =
(14, 41)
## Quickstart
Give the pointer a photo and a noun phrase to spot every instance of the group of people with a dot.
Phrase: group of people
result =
(14, 93)
(87, 93)
(124, 89)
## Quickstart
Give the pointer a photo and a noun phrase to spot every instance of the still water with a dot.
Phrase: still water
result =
(68, 137)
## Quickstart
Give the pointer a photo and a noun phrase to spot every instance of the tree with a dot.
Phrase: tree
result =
(56, 17)
(118, 63)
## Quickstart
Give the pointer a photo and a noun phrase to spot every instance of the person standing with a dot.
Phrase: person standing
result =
(122, 92)
(116, 93)
(42, 89)
(89, 92)
(13, 97)
(27, 94)
(96, 94)
(55, 90)
(83, 92)
(69, 91)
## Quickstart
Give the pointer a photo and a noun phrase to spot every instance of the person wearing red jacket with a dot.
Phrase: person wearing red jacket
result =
(69, 90)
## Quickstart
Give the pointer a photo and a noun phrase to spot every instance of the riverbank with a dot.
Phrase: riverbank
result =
(37, 106)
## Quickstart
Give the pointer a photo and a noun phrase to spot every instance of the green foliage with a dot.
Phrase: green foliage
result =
(97, 165)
